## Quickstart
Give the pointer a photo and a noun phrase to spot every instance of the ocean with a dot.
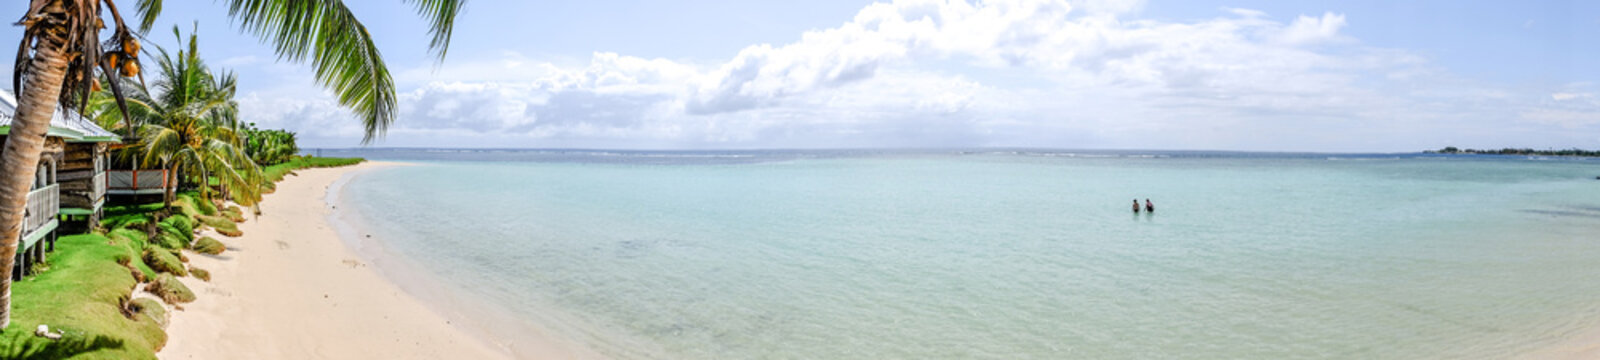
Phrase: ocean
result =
(991, 254)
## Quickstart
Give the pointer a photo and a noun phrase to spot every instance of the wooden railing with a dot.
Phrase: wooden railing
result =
(43, 205)
(99, 184)
(136, 181)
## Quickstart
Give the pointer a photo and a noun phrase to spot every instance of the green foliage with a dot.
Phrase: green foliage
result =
(346, 58)
(209, 245)
(276, 173)
(268, 146)
(169, 289)
(82, 296)
(162, 260)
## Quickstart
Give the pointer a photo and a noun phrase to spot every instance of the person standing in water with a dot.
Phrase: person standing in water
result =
(1136, 206)
(1148, 206)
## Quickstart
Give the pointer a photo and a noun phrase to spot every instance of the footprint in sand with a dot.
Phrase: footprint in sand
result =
(283, 245)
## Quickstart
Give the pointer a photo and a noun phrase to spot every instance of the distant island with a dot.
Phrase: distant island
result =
(1511, 151)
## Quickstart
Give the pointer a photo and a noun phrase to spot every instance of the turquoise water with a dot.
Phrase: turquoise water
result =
(948, 255)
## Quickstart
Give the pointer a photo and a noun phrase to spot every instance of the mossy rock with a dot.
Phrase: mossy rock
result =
(234, 213)
(149, 309)
(168, 240)
(182, 224)
(222, 224)
(163, 261)
(209, 245)
(199, 273)
(175, 234)
(169, 289)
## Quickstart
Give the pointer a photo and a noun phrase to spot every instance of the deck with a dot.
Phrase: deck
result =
(136, 182)
(38, 223)
(43, 206)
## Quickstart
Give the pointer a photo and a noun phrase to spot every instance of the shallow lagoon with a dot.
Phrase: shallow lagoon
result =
(1001, 254)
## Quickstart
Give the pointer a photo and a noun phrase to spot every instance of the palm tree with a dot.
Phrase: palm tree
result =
(191, 125)
(61, 45)
(269, 147)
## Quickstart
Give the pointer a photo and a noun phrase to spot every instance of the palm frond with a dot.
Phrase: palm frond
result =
(441, 16)
(148, 11)
(339, 47)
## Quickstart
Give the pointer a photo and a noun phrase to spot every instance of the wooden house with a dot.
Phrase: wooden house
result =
(70, 183)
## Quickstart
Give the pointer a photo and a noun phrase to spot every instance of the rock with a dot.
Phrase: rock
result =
(169, 289)
(44, 332)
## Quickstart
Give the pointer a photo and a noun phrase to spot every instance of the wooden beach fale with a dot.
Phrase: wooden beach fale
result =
(70, 185)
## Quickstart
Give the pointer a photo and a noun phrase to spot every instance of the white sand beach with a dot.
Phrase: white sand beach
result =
(290, 289)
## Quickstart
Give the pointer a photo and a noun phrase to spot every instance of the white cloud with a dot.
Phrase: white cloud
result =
(1307, 30)
(952, 73)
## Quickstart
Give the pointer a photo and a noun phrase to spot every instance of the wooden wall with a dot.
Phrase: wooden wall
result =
(76, 173)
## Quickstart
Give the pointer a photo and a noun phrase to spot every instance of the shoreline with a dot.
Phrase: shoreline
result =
(493, 323)
(290, 287)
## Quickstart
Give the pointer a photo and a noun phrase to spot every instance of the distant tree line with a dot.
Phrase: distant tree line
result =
(1511, 151)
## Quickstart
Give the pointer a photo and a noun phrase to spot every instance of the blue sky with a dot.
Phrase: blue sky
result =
(1226, 75)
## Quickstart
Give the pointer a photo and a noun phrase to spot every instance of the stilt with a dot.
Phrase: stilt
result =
(22, 266)
(44, 251)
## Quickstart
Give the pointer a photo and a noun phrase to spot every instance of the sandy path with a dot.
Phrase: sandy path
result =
(290, 289)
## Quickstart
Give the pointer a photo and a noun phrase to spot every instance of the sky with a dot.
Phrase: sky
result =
(1250, 75)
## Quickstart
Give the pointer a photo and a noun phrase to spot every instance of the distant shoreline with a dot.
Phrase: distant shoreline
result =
(1511, 151)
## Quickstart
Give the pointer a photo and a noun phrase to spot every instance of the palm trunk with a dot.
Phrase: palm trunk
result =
(36, 104)
(172, 187)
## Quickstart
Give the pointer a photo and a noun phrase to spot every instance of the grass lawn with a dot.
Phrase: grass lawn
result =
(81, 296)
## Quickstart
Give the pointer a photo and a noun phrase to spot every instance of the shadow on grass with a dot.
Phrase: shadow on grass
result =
(67, 347)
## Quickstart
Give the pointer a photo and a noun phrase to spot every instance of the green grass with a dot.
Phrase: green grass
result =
(81, 296)
(277, 172)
